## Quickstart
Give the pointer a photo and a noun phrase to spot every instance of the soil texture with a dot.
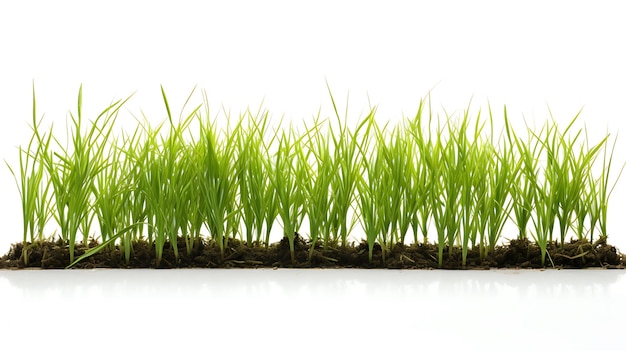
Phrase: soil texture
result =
(207, 254)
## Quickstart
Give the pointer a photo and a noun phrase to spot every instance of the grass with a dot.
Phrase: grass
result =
(191, 178)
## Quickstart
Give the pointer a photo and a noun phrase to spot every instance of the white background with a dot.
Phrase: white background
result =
(313, 309)
(527, 54)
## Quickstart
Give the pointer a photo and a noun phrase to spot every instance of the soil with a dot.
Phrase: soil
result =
(206, 254)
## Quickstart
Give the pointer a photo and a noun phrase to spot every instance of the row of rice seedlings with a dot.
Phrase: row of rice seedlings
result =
(170, 182)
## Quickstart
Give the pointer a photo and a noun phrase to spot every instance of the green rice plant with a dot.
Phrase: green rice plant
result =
(600, 193)
(108, 204)
(168, 181)
(152, 192)
(344, 181)
(500, 179)
(480, 182)
(408, 182)
(251, 174)
(234, 208)
(372, 198)
(347, 158)
(288, 176)
(583, 208)
(499, 203)
(257, 195)
(452, 171)
(187, 212)
(545, 192)
(524, 183)
(468, 152)
(118, 198)
(535, 191)
(422, 183)
(367, 209)
(387, 197)
(398, 158)
(544, 219)
(32, 186)
(382, 193)
(462, 173)
(435, 161)
(566, 179)
(389, 172)
(133, 155)
(218, 181)
(318, 180)
(581, 166)
(160, 198)
(144, 180)
(191, 230)
(270, 196)
(567, 174)
(73, 172)
(412, 196)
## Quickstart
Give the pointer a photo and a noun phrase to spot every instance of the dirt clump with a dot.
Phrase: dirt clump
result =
(516, 254)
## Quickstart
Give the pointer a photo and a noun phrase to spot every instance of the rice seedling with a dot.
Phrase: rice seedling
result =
(73, 172)
(316, 189)
(270, 199)
(600, 193)
(143, 179)
(381, 190)
(111, 198)
(367, 211)
(462, 170)
(218, 182)
(288, 177)
(407, 182)
(498, 200)
(523, 184)
(500, 179)
(476, 224)
(32, 186)
(387, 197)
(438, 198)
(471, 198)
(397, 165)
(565, 174)
(542, 193)
(421, 189)
(371, 200)
(348, 146)
(251, 175)
(543, 220)
(452, 171)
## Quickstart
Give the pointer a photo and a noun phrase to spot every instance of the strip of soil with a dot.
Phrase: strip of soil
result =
(206, 254)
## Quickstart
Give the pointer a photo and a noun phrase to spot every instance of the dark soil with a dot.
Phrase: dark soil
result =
(516, 254)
